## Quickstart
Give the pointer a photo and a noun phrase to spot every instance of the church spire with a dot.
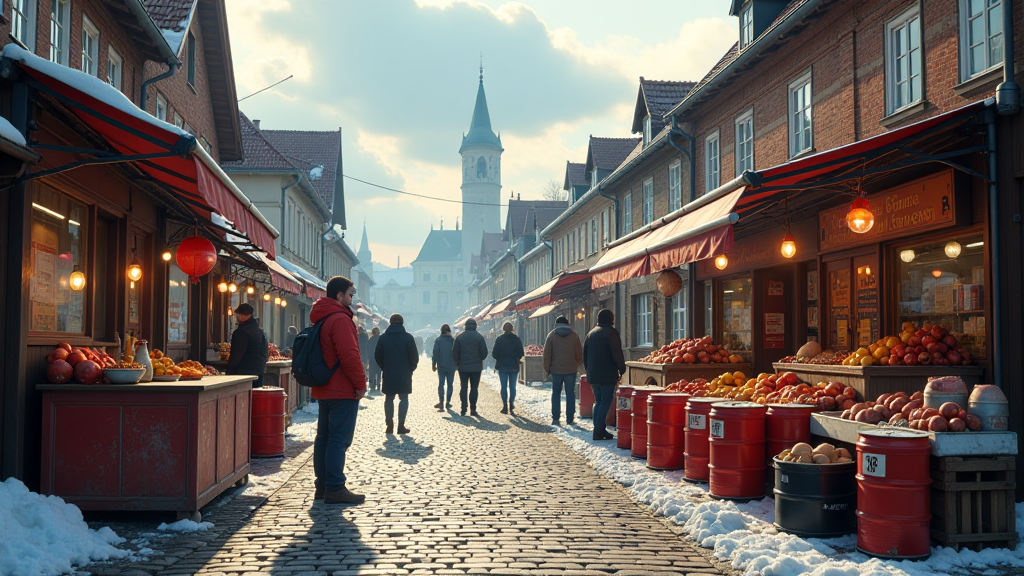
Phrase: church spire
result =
(480, 132)
(364, 244)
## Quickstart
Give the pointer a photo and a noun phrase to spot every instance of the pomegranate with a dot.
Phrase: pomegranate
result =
(950, 341)
(56, 354)
(75, 357)
(939, 332)
(932, 348)
(65, 346)
(88, 372)
(689, 358)
(59, 371)
(928, 341)
(957, 425)
(973, 422)
(962, 414)
(850, 392)
(914, 341)
(910, 359)
(937, 424)
(966, 356)
(827, 403)
(924, 358)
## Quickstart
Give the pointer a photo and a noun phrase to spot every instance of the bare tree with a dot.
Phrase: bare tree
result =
(553, 191)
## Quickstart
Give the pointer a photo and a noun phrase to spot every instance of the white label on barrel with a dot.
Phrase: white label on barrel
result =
(650, 411)
(625, 403)
(697, 422)
(873, 465)
(717, 428)
(785, 479)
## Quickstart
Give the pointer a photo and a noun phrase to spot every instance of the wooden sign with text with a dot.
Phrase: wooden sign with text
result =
(924, 204)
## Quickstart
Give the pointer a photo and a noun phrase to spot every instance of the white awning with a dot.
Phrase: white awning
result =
(543, 311)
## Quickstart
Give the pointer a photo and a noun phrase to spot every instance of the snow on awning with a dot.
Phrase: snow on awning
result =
(543, 310)
(483, 312)
(315, 287)
(281, 278)
(552, 290)
(164, 152)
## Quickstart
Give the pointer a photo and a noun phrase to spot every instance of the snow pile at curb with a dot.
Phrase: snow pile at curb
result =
(743, 534)
(185, 526)
(41, 535)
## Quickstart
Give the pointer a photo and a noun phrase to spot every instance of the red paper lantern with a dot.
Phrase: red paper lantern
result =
(196, 256)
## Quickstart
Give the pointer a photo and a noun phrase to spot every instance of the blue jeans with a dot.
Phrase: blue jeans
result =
(334, 430)
(444, 374)
(603, 396)
(389, 408)
(508, 386)
(557, 383)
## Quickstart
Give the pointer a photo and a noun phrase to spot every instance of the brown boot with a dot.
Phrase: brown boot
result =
(343, 496)
(318, 494)
(402, 429)
(390, 429)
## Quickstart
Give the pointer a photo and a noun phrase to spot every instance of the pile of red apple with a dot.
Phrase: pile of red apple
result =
(928, 345)
(81, 364)
(908, 411)
(692, 351)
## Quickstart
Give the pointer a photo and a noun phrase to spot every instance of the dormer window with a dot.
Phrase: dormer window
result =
(647, 130)
(747, 26)
(593, 178)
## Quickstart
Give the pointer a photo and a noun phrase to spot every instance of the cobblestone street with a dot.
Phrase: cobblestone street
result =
(459, 495)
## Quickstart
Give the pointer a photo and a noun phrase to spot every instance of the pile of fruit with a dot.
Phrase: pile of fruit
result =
(191, 370)
(802, 453)
(825, 358)
(784, 388)
(534, 350)
(273, 353)
(927, 345)
(82, 364)
(223, 350)
(908, 411)
(692, 351)
(163, 365)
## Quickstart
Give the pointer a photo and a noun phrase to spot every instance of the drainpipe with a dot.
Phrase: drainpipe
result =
(993, 218)
(691, 268)
(1008, 92)
(172, 68)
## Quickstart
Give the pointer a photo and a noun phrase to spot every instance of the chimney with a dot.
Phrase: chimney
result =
(256, 123)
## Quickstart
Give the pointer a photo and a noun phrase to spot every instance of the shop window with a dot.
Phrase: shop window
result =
(675, 186)
(801, 115)
(627, 214)
(981, 36)
(177, 305)
(643, 321)
(943, 283)
(58, 249)
(736, 316)
(679, 314)
(90, 46)
(903, 61)
(23, 22)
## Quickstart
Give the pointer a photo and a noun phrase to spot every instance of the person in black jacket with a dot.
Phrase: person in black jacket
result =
(397, 356)
(374, 373)
(249, 347)
(602, 357)
(442, 363)
(469, 353)
(507, 351)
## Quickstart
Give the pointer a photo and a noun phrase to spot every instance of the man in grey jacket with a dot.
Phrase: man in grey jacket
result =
(469, 353)
(562, 356)
(442, 363)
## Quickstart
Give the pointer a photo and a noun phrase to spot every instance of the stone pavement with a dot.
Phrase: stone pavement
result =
(459, 495)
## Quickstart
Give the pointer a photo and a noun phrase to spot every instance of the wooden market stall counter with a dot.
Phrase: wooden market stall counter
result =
(873, 381)
(637, 373)
(170, 446)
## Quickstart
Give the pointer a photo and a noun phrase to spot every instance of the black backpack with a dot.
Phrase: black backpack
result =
(308, 365)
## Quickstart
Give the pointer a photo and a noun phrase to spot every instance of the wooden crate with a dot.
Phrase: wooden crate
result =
(665, 374)
(531, 369)
(873, 381)
(973, 502)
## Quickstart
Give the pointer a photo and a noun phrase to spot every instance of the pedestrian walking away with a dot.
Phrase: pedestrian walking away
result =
(562, 356)
(605, 365)
(249, 348)
(469, 353)
(289, 337)
(371, 345)
(339, 398)
(397, 357)
(442, 363)
(507, 351)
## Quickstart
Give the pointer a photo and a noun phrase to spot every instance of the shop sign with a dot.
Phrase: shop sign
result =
(924, 204)
(763, 251)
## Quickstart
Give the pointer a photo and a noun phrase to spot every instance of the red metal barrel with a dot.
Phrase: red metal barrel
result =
(268, 416)
(638, 430)
(666, 420)
(737, 455)
(785, 425)
(624, 416)
(586, 399)
(695, 459)
(893, 493)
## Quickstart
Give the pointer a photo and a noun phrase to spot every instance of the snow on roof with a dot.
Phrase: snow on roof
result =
(8, 131)
(87, 84)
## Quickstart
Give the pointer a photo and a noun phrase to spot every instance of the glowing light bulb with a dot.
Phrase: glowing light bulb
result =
(721, 262)
(231, 312)
(788, 246)
(250, 290)
(859, 218)
(284, 303)
(77, 280)
(232, 287)
(936, 273)
(222, 287)
(908, 256)
(952, 249)
(166, 255)
(266, 297)
(277, 300)
(134, 271)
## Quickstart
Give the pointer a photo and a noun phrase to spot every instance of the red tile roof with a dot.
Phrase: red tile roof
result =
(259, 154)
(308, 149)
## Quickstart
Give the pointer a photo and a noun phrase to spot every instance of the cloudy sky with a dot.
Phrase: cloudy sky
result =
(400, 78)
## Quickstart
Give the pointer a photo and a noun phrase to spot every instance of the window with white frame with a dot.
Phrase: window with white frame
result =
(679, 315)
(712, 162)
(23, 22)
(643, 334)
(572, 245)
(60, 20)
(747, 26)
(161, 107)
(593, 178)
(647, 130)
(675, 186)
(115, 67)
(981, 36)
(190, 56)
(593, 235)
(801, 117)
(648, 201)
(585, 240)
(903, 61)
(745, 142)
(90, 47)
(627, 214)
(578, 235)
(178, 120)
(605, 230)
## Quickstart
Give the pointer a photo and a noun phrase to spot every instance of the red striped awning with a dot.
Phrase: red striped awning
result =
(553, 290)
(315, 293)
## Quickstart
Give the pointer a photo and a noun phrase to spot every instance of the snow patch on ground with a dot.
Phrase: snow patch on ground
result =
(43, 535)
(185, 526)
(743, 534)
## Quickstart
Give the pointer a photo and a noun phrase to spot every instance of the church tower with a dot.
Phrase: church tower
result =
(481, 178)
(364, 255)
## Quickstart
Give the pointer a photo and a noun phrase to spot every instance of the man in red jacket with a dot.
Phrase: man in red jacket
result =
(339, 398)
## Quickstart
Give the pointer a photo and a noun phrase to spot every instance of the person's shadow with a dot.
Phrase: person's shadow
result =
(404, 448)
(478, 422)
(529, 425)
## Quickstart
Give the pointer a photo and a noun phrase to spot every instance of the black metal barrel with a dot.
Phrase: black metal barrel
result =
(816, 500)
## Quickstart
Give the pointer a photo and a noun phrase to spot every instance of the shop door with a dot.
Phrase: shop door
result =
(852, 300)
(775, 325)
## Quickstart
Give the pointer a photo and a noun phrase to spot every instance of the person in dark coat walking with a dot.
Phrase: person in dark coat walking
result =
(397, 357)
(371, 346)
(603, 360)
(469, 353)
(289, 337)
(507, 351)
(249, 347)
(442, 363)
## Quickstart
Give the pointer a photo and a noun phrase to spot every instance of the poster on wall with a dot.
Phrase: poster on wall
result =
(812, 285)
(867, 306)
(775, 288)
(812, 317)
(774, 330)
